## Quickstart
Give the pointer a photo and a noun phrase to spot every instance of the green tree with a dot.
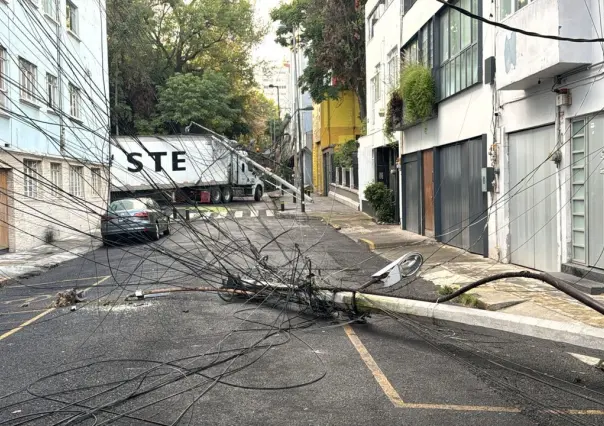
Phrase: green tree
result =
(152, 40)
(207, 100)
(335, 48)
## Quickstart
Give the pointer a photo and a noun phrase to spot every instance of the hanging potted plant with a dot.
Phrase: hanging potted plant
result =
(394, 114)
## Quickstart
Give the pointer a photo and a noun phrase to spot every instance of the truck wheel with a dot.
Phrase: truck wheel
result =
(215, 195)
(258, 193)
(227, 194)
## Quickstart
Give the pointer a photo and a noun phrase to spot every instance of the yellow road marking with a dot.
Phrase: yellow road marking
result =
(43, 313)
(397, 401)
(379, 376)
(26, 323)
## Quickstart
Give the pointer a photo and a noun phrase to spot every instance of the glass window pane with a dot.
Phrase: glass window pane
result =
(578, 176)
(457, 74)
(578, 127)
(475, 63)
(579, 143)
(444, 37)
(578, 160)
(441, 76)
(475, 21)
(579, 238)
(464, 81)
(466, 25)
(578, 191)
(578, 207)
(579, 254)
(430, 45)
(454, 28)
(505, 8)
(451, 79)
(578, 222)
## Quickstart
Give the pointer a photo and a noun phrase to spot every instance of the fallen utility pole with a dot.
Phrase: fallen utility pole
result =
(225, 142)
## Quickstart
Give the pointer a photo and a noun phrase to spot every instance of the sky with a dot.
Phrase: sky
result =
(268, 49)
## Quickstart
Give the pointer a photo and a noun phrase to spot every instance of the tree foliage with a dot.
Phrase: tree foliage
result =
(381, 199)
(160, 48)
(334, 47)
(188, 97)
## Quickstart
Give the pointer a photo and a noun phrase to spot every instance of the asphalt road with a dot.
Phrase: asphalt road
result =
(193, 358)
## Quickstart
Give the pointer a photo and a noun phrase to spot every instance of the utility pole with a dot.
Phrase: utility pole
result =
(298, 126)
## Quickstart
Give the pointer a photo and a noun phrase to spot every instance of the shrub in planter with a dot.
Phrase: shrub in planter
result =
(417, 88)
(380, 197)
(394, 114)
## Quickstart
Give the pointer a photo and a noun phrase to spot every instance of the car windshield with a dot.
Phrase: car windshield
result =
(126, 205)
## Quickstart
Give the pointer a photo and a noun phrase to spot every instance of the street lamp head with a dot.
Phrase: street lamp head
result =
(308, 108)
(272, 86)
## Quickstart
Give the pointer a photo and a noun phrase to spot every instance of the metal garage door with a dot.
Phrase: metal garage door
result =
(411, 193)
(461, 202)
(532, 203)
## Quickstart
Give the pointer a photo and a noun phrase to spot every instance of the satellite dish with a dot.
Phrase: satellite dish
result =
(404, 267)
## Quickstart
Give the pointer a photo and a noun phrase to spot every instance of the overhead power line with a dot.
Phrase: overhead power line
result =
(519, 30)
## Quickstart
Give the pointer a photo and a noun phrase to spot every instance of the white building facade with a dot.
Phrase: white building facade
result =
(509, 165)
(550, 132)
(378, 152)
(54, 120)
(443, 156)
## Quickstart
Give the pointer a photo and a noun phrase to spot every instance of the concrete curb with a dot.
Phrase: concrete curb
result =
(579, 335)
(371, 245)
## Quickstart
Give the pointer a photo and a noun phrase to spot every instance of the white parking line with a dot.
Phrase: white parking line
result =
(253, 213)
(238, 214)
(270, 213)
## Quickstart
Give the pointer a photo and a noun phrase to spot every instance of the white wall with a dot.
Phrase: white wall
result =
(536, 106)
(386, 38)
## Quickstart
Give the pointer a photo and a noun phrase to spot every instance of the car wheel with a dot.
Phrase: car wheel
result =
(227, 194)
(258, 193)
(215, 195)
(167, 231)
(154, 234)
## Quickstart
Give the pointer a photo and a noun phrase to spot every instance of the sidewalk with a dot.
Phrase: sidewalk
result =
(38, 260)
(449, 266)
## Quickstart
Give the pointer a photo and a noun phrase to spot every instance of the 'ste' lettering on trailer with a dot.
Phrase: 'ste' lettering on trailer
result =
(136, 165)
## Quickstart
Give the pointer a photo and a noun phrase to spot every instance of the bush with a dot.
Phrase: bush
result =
(417, 88)
(343, 154)
(380, 197)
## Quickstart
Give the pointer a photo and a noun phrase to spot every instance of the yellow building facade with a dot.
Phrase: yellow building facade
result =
(335, 122)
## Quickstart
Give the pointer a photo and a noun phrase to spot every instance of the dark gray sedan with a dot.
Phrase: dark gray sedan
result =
(132, 216)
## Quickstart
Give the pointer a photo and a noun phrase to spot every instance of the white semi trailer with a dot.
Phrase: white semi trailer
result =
(198, 167)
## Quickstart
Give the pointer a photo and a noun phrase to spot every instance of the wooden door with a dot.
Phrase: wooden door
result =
(428, 191)
(3, 209)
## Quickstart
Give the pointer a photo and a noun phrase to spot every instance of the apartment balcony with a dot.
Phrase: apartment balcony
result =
(522, 60)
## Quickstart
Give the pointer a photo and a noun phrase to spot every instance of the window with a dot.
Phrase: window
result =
(421, 48)
(3, 78)
(50, 8)
(71, 14)
(96, 180)
(408, 4)
(51, 91)
(31, 168)
(459, 53)
(393, 68)
(507, 7)
(375, 16)
(56, 178)
(377, 95)
(76, 181)
(372, 98)
(28, 80)
(74, 101)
